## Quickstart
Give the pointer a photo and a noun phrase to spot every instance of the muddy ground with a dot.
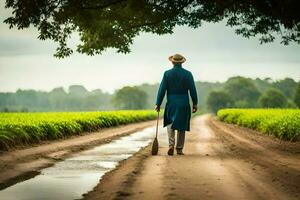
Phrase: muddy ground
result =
(221, 161)
(25, 162)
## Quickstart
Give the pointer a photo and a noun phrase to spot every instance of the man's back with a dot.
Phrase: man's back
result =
(178, 80)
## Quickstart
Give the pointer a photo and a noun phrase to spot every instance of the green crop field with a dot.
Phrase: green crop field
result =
(283, 123)
(25, 128)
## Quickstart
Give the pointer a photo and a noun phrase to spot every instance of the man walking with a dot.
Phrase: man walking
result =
(177, 82)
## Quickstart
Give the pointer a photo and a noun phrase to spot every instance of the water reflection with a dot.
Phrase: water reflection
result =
(71, 178)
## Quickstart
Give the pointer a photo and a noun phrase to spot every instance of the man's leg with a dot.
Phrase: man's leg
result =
(180, 141)
(171, 135)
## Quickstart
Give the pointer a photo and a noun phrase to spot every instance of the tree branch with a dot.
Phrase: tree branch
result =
(104, 5)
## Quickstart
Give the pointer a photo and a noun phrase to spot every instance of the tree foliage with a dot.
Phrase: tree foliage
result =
(103, 24)
(297, 95)
(243, 91)
(273, 98)
(130, 98)
(287, 86)
(218, 99)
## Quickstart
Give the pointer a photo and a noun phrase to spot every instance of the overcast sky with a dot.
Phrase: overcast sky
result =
(213, 52)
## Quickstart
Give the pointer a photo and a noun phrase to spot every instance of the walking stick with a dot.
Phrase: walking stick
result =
(155, 142)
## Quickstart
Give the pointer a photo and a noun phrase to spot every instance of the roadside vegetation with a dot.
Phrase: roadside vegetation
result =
(282, 123)
(26, 128)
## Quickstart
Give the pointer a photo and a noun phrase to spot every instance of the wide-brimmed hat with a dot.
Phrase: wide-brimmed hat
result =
(177, 58)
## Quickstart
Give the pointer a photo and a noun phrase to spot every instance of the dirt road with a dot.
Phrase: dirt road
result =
(221, 162)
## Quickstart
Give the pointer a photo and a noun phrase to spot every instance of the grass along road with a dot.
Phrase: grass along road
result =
(31, 128)
(282, 123)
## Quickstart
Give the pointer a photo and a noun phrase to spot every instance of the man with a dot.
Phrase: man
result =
(177, 82)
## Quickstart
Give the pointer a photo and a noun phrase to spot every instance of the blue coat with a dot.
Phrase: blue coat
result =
(177, 82)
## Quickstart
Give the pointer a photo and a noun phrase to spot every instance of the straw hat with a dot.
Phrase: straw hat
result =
(177, 58)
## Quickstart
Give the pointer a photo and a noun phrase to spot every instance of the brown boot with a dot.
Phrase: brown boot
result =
(179, 152)
(171, 151)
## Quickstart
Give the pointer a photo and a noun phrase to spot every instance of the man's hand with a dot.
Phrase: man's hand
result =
(195, 108)
(157, 108)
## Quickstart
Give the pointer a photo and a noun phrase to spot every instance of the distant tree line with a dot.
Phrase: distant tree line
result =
(238, 92)
(76, 98)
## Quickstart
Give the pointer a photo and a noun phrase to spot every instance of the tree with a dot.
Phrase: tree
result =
(273, 98)
(287, 86)
(130, 98)
(26, 98)
(297, 95)
(263, 84)
(57, 99)
(243, 91)
(103, 24)
(203, 91)
(151, 91)
(77, 90)
(291, 104)
(97, 99)
(217, 100)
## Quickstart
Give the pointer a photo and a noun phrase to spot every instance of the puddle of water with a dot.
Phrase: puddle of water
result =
(71, 178)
